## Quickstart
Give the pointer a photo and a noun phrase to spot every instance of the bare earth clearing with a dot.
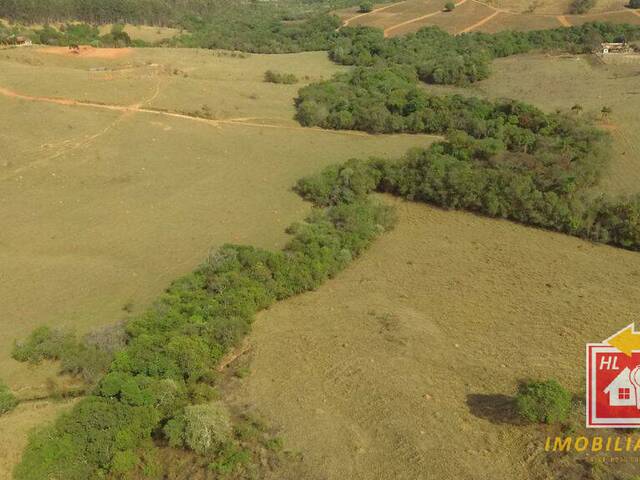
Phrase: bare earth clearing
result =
(399, 368)
(110, 189)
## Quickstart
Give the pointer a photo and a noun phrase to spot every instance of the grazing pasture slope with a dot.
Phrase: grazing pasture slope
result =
(104, 203)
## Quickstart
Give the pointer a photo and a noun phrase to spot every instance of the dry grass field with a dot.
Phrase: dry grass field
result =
(553, 7)
(486, 16)
(144, 32)
(518, 22)
(106, 197)
(560, 82)
(401, 367)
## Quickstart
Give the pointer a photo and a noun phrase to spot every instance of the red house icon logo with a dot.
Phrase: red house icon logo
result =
(613, 381)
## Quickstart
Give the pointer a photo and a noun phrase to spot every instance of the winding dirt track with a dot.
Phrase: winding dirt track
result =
(137, 108)
(375, 10)
(417, 19)
(481, 22)
(563, 21)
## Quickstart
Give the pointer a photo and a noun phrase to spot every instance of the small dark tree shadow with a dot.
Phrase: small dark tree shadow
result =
(499, 409)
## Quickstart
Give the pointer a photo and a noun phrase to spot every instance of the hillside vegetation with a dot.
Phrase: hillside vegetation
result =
(154, 386)
(441, 58)
(290, 26)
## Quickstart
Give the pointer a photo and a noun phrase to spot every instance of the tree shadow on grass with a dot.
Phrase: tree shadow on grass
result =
(498, 409)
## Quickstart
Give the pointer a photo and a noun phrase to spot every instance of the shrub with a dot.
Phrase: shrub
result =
(339, 183)
(44, 343)
(207, 426)
(634, 4)
(88, 359)
(581, 6)
(543, 402)
(449, 7)
(8, 400)
(365, 7)
(271, 76)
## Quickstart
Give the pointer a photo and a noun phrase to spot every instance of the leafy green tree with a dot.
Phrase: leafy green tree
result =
(271, 76)
(207, 426)
(365, 7)
(634, 4)
(119, 36)
(449, 7)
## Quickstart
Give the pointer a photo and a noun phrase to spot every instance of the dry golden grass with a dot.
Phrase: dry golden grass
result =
(519, 22)
(461, 18)
(144, 32)
(89, 52)
(553, 7)
(625, 16)
(399, 368)
(399, 13)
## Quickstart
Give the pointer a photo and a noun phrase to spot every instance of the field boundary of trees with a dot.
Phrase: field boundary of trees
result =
(503, 158)
(154, 378)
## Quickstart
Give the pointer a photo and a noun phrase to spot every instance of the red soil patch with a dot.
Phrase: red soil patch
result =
(89, 52)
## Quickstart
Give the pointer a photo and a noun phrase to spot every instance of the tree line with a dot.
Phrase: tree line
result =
(156, 388)
(440, 58)
(462, 173)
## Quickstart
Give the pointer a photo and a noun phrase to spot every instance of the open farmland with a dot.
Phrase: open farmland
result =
(560, 82)
(403, 366)
(253, 335)
(491, 16)
(108, 193)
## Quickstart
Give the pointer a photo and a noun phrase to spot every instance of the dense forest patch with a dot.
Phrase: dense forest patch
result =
(441, 58)
(290, 26)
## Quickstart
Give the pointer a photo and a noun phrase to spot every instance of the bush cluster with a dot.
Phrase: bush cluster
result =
(271, 76)
(438, 57)
(8, 400)
(543, 402)
(258, 29)
(75, 34)
(581, 6)
(201, 428)
(87, 359)
(172, 349)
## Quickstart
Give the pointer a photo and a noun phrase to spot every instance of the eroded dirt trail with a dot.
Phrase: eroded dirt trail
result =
(390, 29)
(137, 108)
(481, 22)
